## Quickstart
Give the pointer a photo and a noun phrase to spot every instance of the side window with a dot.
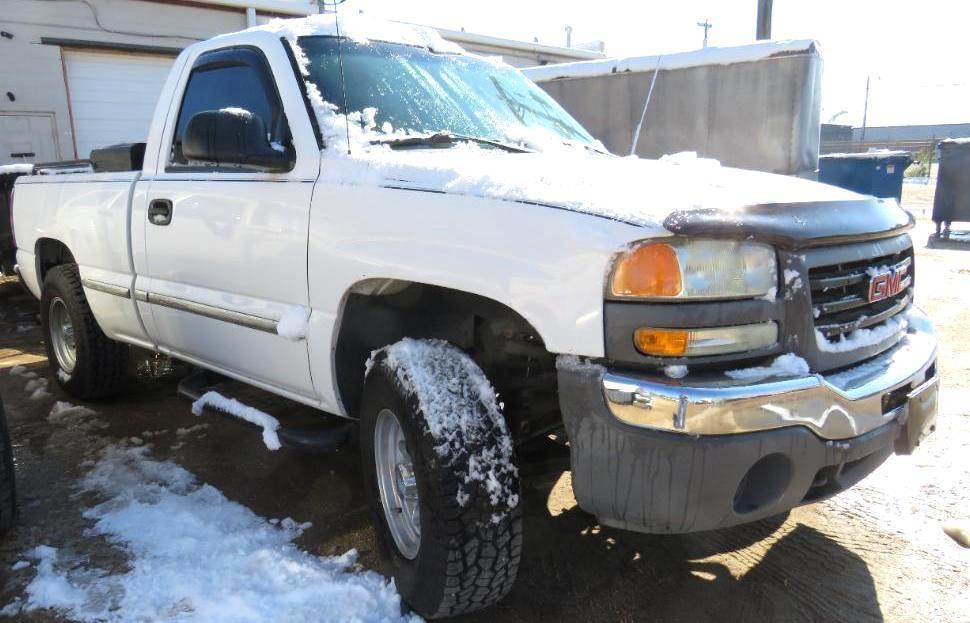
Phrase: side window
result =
(234, 78)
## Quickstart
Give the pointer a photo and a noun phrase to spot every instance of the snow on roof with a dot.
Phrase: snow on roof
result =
(957, 141)
(869, 155)
(678, 60)
(361, 29)
(26, 169)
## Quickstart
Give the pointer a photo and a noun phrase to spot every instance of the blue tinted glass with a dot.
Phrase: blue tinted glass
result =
(415, 89)
(235, 86)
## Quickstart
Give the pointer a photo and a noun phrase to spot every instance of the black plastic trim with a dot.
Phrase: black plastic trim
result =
(623, 318)
(301, 84)
(798, 225)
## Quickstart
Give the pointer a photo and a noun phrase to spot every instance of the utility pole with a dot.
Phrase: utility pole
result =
(764, 19)
(865, 111)
(706, 25)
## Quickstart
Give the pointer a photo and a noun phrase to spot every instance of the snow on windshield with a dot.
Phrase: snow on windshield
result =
(568, 174)
(415, 90)
(473, 95)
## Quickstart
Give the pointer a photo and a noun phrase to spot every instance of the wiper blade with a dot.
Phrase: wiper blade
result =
(446, 138)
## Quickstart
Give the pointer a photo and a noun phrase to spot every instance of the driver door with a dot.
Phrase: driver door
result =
(225, 248)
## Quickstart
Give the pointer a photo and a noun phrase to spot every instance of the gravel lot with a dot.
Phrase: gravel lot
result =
(877, 552)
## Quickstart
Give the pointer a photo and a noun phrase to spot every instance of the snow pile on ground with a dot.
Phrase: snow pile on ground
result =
(71, 416)
(293, 323)
(37, 388)
(195, 556)
(462, 414)
(233, 407)
(63, 410)
(788, 364)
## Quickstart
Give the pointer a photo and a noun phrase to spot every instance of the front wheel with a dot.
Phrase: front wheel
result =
(440, 478)
(85, 362)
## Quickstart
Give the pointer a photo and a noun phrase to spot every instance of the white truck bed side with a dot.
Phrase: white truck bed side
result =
(89, 214)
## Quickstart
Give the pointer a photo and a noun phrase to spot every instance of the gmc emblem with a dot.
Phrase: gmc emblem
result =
(889, 283)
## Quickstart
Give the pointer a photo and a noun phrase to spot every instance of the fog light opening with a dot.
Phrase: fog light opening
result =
(763, 485)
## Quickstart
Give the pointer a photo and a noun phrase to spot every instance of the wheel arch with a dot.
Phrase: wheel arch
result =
(377, 312)
(48, 253)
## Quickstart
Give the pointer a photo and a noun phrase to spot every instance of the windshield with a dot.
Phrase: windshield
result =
(414, 89)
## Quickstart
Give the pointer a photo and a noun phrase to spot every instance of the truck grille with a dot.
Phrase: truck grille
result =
(861, 294)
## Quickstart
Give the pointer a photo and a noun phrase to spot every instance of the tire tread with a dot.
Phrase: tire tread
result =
(102, 371)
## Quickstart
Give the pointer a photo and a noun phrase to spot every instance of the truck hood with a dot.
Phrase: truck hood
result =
(681, 193)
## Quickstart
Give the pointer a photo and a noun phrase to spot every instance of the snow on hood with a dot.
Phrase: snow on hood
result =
(630, 189)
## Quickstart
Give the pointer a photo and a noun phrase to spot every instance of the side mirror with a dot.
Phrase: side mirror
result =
(233, 136)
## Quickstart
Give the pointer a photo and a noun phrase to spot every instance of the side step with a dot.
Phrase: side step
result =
(310, 439)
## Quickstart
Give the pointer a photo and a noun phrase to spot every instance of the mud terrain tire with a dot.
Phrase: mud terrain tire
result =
(469, 552)
(100, 364)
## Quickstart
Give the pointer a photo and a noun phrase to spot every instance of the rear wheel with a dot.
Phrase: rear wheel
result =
(444, 498)
(85, 362)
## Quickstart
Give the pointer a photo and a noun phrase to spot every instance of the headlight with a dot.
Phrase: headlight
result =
(695, 269)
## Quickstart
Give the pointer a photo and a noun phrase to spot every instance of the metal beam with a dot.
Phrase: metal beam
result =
(112, 46)
(764, 19)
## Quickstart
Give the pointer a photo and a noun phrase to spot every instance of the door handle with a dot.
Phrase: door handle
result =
(160, 211)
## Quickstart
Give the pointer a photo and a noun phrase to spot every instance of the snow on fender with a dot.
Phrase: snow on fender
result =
(461, 409)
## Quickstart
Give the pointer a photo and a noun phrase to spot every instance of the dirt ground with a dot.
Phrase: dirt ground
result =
(876, 552)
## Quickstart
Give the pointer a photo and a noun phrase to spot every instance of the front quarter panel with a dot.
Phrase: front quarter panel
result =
(547, 264)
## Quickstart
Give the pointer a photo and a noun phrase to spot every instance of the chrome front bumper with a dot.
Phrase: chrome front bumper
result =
(835, 406)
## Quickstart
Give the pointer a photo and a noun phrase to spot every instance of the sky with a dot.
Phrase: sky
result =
(914, 53)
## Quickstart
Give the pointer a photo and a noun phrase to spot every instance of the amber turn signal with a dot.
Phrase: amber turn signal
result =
(650, 270)
(661, 342)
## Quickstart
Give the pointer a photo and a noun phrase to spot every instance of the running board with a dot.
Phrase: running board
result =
(315, 440)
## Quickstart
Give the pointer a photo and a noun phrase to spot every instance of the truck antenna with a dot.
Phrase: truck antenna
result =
(340, 63)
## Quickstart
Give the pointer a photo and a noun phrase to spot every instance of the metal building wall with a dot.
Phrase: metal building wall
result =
(33, 75)
(761, 114)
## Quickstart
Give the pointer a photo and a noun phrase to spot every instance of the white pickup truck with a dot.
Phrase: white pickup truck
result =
(458, 266)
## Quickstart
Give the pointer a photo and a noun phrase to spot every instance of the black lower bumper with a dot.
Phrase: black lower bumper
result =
(659, 482)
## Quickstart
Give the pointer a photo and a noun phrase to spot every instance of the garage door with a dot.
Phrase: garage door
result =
(27, 137)
(112, 96)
